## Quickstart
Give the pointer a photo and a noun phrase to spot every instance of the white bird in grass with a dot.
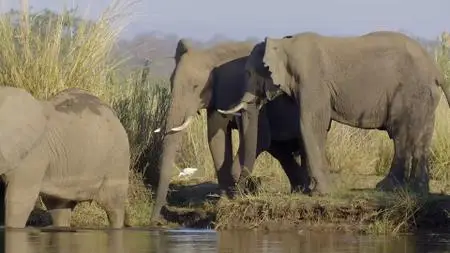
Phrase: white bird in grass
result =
(187, 172)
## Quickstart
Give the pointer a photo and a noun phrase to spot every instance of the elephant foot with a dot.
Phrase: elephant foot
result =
(389, 183)
(229, 192)
(319, 188)
(301, 189)
(159, 221)
(419, 187)
(305, 187)
(304, 191)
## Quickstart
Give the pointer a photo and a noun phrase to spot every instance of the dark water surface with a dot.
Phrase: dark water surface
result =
(198, 241)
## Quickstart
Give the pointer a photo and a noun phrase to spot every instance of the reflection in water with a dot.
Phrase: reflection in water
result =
(190, 241)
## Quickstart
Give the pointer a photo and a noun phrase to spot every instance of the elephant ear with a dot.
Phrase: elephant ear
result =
(23, 125)
(183, 47)
(275, 59)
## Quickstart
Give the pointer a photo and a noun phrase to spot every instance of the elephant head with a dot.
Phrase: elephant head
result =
(266, 74)
(22, 126)
(192, 88)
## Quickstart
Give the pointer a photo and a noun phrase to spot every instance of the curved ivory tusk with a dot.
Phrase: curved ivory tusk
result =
(157, 130)
(235, 109)
(183, 126)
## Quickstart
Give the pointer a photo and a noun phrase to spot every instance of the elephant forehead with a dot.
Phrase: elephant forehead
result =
(189, 73)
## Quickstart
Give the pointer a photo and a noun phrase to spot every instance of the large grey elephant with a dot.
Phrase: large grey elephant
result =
(68, 149)
(380, 80)
(214, 78)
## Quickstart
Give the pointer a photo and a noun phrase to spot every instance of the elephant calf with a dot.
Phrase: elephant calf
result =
(70, 148)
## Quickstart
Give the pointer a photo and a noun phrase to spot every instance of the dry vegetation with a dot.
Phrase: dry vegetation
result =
(45, 62)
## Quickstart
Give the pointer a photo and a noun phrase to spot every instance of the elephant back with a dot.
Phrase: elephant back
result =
(88, 129)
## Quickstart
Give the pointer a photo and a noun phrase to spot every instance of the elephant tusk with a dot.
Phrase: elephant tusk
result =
(235, 109)
(157, 130)
(183, 126)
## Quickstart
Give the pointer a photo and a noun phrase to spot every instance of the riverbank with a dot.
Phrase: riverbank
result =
(359, 209)
(355, 210)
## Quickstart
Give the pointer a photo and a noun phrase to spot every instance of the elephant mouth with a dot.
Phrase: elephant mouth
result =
(179, 128)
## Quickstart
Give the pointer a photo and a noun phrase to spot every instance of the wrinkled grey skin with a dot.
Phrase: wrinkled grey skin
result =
(381, 80)
(206, 79)
(68, 149)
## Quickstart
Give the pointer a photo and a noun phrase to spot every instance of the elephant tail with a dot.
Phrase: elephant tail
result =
(445, 86)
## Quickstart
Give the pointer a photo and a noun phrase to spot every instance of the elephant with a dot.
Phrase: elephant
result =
(214, 78)
(380, 80)
(67, 149)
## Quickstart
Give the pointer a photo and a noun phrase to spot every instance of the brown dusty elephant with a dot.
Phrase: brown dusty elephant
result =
(380, 80)
(68, 149)
(206, 79)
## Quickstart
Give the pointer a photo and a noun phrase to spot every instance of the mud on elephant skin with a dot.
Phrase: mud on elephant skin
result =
(380, 80)
(68, 149)
(194, 87)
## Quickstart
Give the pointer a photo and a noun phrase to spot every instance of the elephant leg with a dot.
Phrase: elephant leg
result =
(113, 194)
(254, 138)
(413, 124)
(219, 141)
(423, 120)
(419, 176)
(112, 197)
(60, 210)
(23, 187)
(396, 177)
(245, 183)
(298, 175)
(314, 123)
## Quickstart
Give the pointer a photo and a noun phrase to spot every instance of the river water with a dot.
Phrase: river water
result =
(198, 241)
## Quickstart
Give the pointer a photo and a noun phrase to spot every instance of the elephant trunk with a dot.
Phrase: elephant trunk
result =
(170, 146)
(178, 119)
(249, 143)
